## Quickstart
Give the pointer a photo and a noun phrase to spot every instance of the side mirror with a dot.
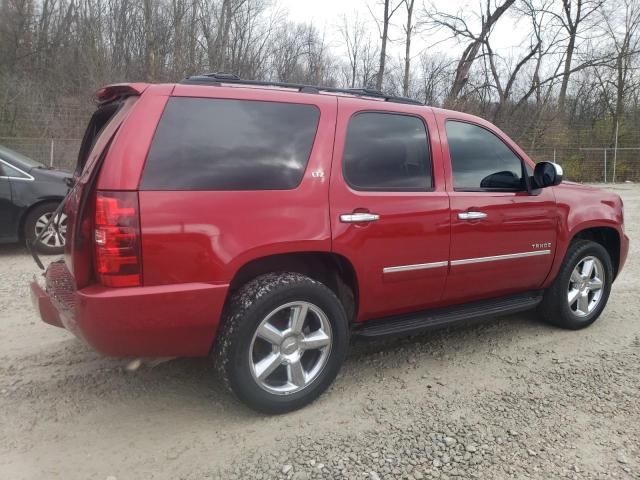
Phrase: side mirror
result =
(547, 174)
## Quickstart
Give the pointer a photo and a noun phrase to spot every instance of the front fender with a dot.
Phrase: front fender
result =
(582, 207)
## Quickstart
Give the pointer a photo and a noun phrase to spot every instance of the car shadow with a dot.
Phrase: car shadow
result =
(192, 383)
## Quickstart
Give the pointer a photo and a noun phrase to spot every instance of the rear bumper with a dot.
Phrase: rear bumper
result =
(158, 321)
(41, 300)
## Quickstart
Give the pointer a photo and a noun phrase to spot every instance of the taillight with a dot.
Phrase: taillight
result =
(117, 239)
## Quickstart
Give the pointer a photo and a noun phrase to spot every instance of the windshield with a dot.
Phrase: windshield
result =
(18, 159)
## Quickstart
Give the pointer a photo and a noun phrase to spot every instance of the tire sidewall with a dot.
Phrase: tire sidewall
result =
(585, 250)
(240, 378)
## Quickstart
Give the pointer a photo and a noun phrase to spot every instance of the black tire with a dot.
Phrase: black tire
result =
(30, 230)
(555, 308)
(245, 312)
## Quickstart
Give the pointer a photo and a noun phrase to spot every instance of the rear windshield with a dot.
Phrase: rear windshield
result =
(99, 120)
(213, 144)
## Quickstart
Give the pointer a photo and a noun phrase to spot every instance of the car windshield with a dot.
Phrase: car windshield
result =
(20, 160)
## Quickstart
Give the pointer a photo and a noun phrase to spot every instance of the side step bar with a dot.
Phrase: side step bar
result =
(425, 320)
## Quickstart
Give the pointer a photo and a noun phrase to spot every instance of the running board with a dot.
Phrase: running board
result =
(425, 320)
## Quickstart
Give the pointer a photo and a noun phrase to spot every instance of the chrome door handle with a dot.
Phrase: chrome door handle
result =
(472, 215)
(359, 217)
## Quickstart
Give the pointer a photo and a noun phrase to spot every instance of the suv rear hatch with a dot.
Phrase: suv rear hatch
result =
(114, 104)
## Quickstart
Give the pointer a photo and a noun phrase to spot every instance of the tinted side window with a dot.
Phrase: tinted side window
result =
(205, 144)
(480, 160)
(387, 152)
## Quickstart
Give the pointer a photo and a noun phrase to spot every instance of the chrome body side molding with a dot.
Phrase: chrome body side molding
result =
(496, 258)
(417, 266)
(464, 261)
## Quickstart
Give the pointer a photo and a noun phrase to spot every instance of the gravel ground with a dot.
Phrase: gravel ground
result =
(510, 398)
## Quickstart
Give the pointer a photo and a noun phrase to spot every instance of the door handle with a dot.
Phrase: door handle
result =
(359, 217)
(472, 215)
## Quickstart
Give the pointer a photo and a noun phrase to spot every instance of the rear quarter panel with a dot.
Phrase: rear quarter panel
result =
(206, 236)
(122, 167)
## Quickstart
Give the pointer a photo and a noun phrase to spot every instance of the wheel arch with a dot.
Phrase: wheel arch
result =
(333, 270)
(608, 237)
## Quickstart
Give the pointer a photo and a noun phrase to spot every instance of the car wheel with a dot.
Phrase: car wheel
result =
(282, 341)
(581, 289)
(53, 238)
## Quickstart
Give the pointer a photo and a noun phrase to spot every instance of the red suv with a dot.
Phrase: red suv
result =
(264, 224)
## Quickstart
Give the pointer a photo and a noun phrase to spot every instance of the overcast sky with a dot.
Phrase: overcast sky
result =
(326, 15)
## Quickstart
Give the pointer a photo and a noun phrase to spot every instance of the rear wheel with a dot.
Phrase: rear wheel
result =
(282, 341)
(52, 238)
(581, 289)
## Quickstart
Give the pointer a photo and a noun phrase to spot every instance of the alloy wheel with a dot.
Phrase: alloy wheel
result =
(586, 286)
(290, 348)
(54, 235)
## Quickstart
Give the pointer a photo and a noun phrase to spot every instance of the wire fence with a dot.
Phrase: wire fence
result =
(581, 164)
(60, 153)
(594, 164)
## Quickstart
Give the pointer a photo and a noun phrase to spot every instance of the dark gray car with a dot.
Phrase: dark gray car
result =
(30, 192)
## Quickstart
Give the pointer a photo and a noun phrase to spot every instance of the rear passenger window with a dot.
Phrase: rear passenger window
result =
(481, 161)
(207, 144)
(387, 152)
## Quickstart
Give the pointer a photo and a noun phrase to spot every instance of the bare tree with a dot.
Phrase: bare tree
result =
(458, 27)
(573, 19)
(542, 43)
(353, 33)
(408, 32)
(55, 53)
(436, 73)
(622, 27)
(149, 50)
(388, 10)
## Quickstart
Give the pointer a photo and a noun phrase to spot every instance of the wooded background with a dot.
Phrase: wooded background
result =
(570, 91)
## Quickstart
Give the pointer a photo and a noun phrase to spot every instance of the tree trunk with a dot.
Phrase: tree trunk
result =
(354, 67)
(407, 48)
(225, 34)
(383, 48)
(149, 72)
(567, 70)
(471, 52)
(462, 71)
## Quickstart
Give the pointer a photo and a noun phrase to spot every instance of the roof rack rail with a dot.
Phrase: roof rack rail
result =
(219, 78)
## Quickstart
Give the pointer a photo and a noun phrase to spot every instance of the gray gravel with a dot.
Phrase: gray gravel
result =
(511, 398)
(550, 425)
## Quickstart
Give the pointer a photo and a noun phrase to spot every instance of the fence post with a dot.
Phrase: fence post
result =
(605, 165)
(51, 154)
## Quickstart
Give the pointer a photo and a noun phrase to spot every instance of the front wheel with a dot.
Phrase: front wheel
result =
(282, 341)
(581, 289)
